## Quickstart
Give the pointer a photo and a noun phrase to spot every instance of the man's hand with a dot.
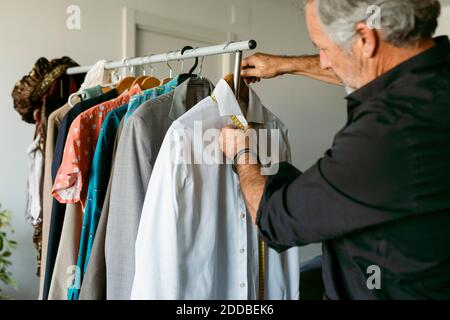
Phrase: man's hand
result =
(261, 66)
(252, 183)
(233, 140)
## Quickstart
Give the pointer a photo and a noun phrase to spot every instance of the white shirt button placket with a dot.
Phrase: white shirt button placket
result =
(243, 257)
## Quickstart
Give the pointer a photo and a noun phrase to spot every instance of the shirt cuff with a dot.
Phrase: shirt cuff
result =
(68, 192)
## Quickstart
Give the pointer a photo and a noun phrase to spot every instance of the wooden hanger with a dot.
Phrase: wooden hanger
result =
(107, 88)
(164, 81)
(139, 81)
(124, 84)
(150, 83)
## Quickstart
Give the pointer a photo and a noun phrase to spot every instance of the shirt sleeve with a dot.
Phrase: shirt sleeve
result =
(70, 178)
(363, 181)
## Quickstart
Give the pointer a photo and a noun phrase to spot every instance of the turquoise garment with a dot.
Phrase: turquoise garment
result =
(90, 93)
(98, 183)
(139, 99)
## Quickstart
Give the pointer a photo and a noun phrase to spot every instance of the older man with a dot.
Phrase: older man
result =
(379, 200)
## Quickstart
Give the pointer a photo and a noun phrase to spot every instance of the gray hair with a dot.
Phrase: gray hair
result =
(404, 22)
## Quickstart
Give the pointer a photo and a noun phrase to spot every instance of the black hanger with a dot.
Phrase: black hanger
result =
(183, 77)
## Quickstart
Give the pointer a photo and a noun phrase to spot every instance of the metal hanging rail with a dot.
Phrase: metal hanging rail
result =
(231, 47)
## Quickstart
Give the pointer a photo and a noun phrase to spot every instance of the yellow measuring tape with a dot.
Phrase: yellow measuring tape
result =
(237, 123)
(261, 249)
(233, 118)
(261, 270)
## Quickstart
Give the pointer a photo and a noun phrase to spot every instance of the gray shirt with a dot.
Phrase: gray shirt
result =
(138, 148)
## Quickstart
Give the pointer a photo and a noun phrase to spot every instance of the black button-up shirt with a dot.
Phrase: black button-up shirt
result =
(381, 195)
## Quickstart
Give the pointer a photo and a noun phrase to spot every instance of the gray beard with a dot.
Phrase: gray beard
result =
(349, 90)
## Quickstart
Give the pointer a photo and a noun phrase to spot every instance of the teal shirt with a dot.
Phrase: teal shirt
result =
(98, 183)
(139, 99)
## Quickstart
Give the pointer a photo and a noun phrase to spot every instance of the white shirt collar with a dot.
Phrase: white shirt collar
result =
(229, 106)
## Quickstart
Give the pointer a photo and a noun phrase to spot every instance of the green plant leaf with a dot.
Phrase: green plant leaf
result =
(3, 260)
(6, 247)
(12, 244)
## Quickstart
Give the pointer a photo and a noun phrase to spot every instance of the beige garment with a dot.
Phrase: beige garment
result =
(94, 283)
(54, 122)
(66, 259)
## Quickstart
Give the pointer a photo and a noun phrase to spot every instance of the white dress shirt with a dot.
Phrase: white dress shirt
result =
(196, 240)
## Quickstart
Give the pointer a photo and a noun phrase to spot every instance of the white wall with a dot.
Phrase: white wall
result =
(444, 24)
(314, 112)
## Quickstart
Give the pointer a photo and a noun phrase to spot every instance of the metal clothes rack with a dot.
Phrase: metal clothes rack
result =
(230, 47)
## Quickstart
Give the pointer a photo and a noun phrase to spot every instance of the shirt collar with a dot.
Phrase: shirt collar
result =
(430, 57)
(179, 107)
(229, 106)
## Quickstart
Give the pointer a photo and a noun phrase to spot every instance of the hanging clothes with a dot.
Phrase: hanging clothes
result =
(99, 177)
(35, 183)
(94, 285)
(135, 158)
(71, 184)
(100, 172)
(71, 180)
(95, 78)
(56, 96)
(66, 257)
(58, 210)
(195, 239)
(92, 92)
(35, 192)
(53, 125)
(139, 99)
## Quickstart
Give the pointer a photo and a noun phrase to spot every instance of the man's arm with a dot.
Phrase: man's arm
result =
(264, 66)
(361, 182)
(252, 184)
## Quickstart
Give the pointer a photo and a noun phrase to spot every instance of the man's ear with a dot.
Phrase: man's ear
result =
(368, 40)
